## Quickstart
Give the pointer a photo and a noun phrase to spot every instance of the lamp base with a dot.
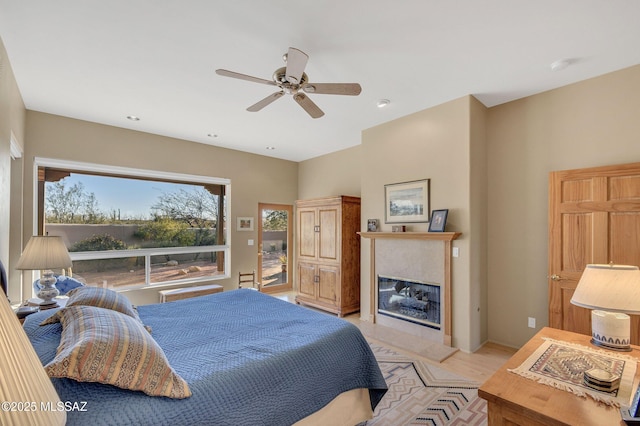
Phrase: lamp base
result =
(610, 347)
(36, 301)
(48, 305)
(611, 330)
(48, 290)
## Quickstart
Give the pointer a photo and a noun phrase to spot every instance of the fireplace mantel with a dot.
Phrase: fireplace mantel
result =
(446, 238)
(443, 236)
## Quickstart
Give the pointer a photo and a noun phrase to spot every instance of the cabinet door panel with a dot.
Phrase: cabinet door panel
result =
(306, 279)
(328, 284)
(307, 234)
(328, 238)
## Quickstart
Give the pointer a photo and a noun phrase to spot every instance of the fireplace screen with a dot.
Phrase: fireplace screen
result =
(413, 301)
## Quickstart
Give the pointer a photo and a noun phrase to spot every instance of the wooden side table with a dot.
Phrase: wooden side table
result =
(515, 400)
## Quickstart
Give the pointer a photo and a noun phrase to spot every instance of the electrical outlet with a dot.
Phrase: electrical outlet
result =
(456, 252)
(532, 322)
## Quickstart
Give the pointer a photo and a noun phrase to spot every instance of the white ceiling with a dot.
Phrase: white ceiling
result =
(100, 60)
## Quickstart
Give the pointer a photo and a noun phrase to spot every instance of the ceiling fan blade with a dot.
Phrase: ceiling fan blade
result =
(237, 75)
(296, 63)
(266, 101)
(308, 105)
(351, 89)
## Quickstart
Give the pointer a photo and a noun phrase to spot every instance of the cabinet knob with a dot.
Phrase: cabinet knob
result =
(316, 228)
(316, 278)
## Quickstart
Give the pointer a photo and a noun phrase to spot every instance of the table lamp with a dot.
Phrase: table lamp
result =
(45, 253)
(612, 291)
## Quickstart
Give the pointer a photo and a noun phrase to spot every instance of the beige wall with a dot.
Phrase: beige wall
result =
(12, 121)
(338, 173)
(254, 178)
(592, 123)
(431, 144)
(478, 175)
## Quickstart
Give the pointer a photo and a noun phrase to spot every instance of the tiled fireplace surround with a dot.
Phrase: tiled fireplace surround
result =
(413, 256)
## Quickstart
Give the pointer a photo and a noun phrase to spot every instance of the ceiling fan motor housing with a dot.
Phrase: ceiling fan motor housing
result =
(280, 77)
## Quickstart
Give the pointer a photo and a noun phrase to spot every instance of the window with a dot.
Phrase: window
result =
(130, 228)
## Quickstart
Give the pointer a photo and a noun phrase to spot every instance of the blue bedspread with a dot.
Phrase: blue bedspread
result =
(249, 359)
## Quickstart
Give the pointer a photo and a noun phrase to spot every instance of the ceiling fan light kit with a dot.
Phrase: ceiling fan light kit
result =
(292, 80)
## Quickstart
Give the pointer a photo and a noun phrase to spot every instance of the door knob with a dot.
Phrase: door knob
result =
(555, 277)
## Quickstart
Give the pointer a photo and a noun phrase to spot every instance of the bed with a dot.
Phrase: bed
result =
(248, 358)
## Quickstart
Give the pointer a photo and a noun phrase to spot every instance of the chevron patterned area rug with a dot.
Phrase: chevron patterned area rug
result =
(423, 394)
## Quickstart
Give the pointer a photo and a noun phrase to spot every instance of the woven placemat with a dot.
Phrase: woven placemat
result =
(562, 365)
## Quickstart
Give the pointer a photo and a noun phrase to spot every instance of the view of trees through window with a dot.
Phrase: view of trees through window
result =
(275, 241)
(127, 231)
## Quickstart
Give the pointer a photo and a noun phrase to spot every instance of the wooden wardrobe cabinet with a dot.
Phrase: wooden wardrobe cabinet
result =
(328, 254)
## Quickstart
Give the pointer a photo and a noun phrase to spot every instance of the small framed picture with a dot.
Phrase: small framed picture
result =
(245, 224)
(372, 225)
(438, 220)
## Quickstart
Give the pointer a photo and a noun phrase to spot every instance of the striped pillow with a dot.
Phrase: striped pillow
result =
(101, 298)
(105, 346)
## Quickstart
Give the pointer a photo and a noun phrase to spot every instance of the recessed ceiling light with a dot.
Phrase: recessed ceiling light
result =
(133, 118)
(560, 64)
(383, 103)
(271, 148)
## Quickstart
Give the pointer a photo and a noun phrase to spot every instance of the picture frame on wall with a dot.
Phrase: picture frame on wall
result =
(438, 220)
(407, 202)
(245, 224)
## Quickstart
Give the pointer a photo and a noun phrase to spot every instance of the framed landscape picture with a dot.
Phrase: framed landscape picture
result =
(245, 224)
(407, 202)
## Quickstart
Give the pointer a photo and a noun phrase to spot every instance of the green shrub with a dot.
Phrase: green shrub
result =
(99, 243)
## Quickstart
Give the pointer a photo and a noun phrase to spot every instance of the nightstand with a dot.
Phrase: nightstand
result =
(24, 311)
(515, 400)
(35, 303)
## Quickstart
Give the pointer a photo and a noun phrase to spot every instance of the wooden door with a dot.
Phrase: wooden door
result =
(594, 217)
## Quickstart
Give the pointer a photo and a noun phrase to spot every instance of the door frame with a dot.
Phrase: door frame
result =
(288, 285)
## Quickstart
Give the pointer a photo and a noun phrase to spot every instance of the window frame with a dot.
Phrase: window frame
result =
(119, 171)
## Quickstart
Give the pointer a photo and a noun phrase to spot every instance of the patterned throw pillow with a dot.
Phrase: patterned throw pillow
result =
(105, 346)
(101, 298)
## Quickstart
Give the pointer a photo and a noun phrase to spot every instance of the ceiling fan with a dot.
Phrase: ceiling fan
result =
(292, 80)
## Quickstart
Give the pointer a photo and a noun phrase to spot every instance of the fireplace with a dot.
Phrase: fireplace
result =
(410, 300)
(424, 261)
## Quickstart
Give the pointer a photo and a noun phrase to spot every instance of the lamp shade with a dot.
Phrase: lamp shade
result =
(44, 252)
(613, 288)
(26, 392)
